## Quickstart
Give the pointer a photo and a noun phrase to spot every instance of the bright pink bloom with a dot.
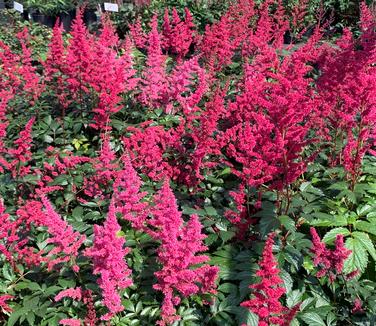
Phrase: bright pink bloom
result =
(330, 261)
(154, 83)
(108, 254)
(55, 66)
(21, 152)
(177, 254)
(79, 59)
(32, 84)
(106, 168)
(178, 35)
(146, 147)
(73, 293)
(269, 290)
(70, 322)
(138, 36)
(3, 302)
(358, 306)
(112, 76)
(14, 234)
(128, 196)
(66, 241)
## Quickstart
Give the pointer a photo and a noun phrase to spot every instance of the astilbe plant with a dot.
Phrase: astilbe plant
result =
(267, 293)
(128, 197)
(154, 83)
(105, 168)
(33, 86)
(179, 246)
(79, 60)
(111, 76)
(65, 240)
(146, 147)
(329, 262)
(14, 235)
(55, 66)
(108, 255)
(178, 35)
(21, 152)
(348, 89)
(137, 34)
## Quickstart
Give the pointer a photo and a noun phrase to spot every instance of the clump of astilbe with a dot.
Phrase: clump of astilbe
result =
(329, 261)
(146, 147)
(348, 90)
(112, 76)
(223, 38)
(179, 246)
(55, 66)
(21, 151)
(14, 234)
(194, 144)
(137, 34)
(178, 35)
(5, 97)
(65, 240)
(182, 81)
(267, 126)
(216, 44)
(154, 83)
(267, 293)
(128, 198)
(108, 254)
(105, 169)
(32, 84)
(79, 59)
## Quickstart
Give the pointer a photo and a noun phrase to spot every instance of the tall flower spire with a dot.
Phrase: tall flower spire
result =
(178, 255)
(269, 290)
(108, 254)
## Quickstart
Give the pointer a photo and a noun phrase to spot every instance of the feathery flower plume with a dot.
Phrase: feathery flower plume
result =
(108, 254)
(70, 322)
(177, 254)
(73, 293)
(3, 302)
(269, 290)
(330, 261)
(21, 151)
(154, 83)
(66, 241)
(128, 197)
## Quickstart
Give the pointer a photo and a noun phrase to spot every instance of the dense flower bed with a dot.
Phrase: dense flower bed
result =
(177, 177)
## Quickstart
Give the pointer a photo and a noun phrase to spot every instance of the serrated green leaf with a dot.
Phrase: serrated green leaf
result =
(358, 258)
(365, 226)
(313, 319)
(332, 234)
(287, 222)
(366, 242)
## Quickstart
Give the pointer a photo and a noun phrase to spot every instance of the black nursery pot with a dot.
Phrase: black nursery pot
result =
(66, 19)
(8, 4)
(48, 21)
(2, 4)
(90, 17)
